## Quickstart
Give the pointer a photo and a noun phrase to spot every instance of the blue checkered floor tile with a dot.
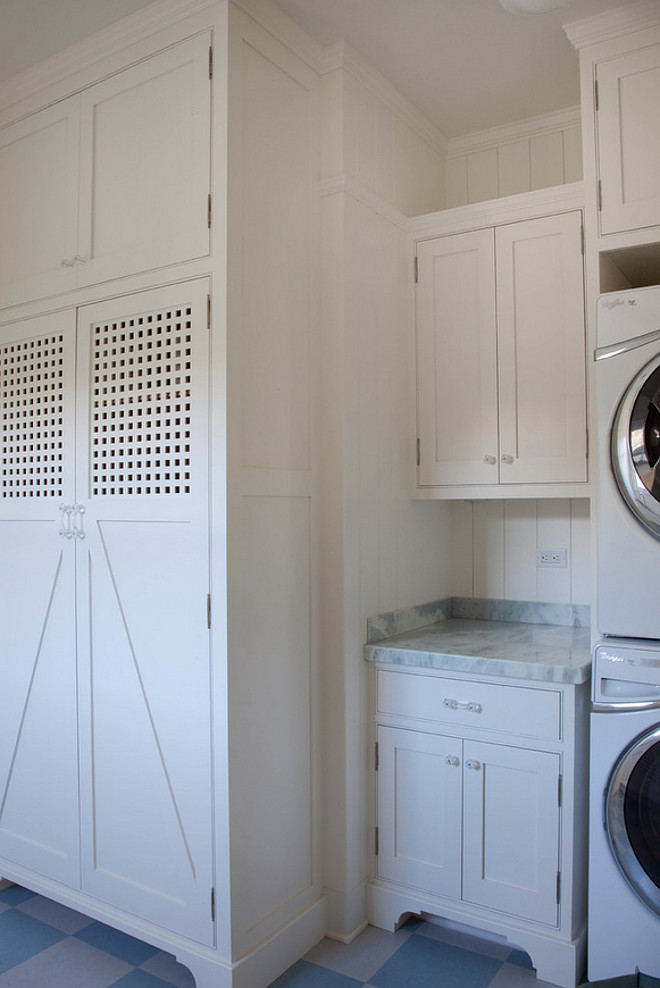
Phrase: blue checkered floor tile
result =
(45, 945)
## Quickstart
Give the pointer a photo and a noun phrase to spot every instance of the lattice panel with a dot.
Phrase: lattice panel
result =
(141, 404)
(32, 432)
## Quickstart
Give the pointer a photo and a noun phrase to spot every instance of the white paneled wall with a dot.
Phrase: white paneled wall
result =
(533, 154)
(494, 546)
(379, 139)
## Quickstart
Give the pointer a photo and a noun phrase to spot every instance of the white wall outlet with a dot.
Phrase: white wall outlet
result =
(556, 558)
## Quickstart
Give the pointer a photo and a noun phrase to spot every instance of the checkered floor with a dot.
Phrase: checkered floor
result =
(45, 945)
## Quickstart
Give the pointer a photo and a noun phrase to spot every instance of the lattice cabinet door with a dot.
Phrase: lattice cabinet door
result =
(38, 727)
(143, 583)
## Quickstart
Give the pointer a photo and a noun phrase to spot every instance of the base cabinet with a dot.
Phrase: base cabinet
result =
(477, 811)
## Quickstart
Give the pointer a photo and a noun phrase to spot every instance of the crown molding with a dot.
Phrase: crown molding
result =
(341, 55)
(518, 131)
(613, 23)
(492, 212)
(286, 30)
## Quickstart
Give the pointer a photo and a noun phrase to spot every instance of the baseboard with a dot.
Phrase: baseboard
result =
(346, 913)
(270, 959)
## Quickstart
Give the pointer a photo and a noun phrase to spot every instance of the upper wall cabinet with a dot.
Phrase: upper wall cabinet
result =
(628, 131)
(501, 402)
(110, 182)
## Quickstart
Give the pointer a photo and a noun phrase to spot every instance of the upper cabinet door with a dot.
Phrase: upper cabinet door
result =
(38, 203)
(457, 360)
(629, 140)
(540, 313)
(145, 165)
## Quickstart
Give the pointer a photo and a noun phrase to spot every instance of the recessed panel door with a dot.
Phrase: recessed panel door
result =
(143, 586)
(419, 810)
(457, 360)
(511, 830)
(541, 345)
(145, 164)
(39, 823)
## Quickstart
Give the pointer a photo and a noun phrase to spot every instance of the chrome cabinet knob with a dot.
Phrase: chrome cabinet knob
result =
(506, 458)
(490, 460)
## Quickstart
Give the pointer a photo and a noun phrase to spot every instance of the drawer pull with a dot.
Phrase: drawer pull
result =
(473, 764)
(452, 760)
(470, 705)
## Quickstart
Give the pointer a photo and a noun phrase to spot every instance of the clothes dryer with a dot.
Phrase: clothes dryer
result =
(627, 403)
(624, 813)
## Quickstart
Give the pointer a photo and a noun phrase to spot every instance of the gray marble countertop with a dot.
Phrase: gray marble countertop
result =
(538, 652)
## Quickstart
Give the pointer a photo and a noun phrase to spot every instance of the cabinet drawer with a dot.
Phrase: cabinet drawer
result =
(466, 703)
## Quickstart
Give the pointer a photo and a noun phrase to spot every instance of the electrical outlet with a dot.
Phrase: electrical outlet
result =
(553, 558)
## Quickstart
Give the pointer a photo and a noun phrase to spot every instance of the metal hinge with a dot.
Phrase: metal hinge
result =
(416, 270)
(600, 196)
(213, 905)
(376, 841)
(582, 239)
(559, 782)
(596, 101)
(210, 61)
(587, 444)
(208, 311)
(419, 452)
(208, 211)
(558, 887)
(376, 756)
(208, 610)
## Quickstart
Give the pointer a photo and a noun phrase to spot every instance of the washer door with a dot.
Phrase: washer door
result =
(635, 447)
(632, 816)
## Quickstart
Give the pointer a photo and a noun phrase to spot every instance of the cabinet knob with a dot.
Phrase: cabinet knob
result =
(490, 460)
(506, 458)
(67, 262)
(452, 760)
(472, 705)
(473, 764)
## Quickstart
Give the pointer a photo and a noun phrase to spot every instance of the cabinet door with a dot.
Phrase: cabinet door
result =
(419, 810)
(38, 203)
(457, 360)
(39, 822)
(628, 125)
(142, 475)
(540, 312)
(511, 830)
(145, 165)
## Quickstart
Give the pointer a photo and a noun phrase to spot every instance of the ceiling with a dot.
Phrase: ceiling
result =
(467, 64)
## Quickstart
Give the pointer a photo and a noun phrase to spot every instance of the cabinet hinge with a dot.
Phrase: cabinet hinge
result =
(210, 61)
(376, 756)
(208, 311)
(587, 444)
(416, 270)
(582, 239)
(600, 196)
(213, 905)
(559, 790)
(208, 610)
(208, 211)
(419, 452)
(596, 101)
(376, 841)
(558, 887)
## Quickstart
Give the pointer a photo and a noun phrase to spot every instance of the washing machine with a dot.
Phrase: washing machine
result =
(627, 403)
(624, 824)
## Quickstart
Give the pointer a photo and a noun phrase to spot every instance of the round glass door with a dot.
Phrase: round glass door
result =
(632, 816)
(635, 447)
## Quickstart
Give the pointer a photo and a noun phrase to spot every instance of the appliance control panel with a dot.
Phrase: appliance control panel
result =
(626, 673)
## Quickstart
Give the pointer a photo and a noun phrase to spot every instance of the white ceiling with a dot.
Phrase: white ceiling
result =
(467, 64)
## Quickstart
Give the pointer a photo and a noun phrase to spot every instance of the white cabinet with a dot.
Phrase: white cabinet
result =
(470, 820)
(628, 130)
(501, 397)
(103, 602)
(479, 809)
(111, 181)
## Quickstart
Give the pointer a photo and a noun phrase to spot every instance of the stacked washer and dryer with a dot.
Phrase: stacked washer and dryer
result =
(624, 855)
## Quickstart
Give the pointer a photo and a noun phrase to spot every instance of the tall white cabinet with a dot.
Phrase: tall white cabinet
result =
(157, 468)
